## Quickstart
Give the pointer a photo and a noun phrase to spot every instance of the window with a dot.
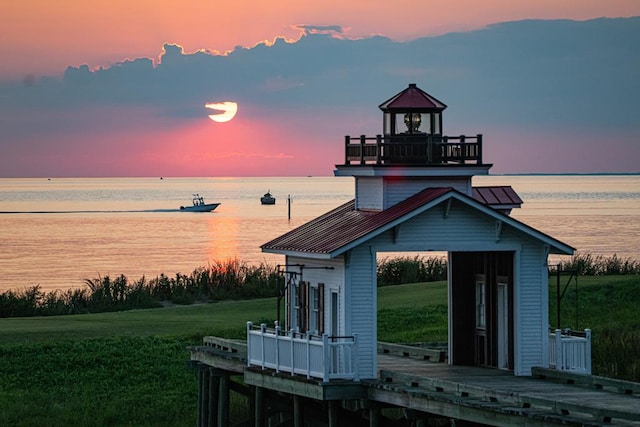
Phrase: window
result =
(481, 310)
(315, 305)
(305, 307)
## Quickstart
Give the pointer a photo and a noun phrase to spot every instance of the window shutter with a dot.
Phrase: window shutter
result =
(321, 308)
(304, 306)
(287, 315)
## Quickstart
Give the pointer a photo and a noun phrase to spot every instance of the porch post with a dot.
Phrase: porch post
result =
(277, 347)
(292, 353)
(308, 356)
(327, 357)
(354, 359)
(559, 364)
(587, 335)
(249, 325)
(263, 329)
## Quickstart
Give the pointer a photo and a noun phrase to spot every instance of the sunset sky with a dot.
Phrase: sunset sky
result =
(53, 124)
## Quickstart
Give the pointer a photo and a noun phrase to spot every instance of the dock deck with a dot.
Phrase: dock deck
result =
(429, 389)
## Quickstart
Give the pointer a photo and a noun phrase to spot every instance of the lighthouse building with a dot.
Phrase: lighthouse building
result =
(413, 193)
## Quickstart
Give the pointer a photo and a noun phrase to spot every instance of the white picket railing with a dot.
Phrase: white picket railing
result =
(314, 356)
(569, 352)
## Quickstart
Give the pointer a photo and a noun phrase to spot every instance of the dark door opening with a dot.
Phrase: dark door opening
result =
(482, 309)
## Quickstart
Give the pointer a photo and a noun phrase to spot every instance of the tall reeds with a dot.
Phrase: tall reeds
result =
(235, 279)
(595, 265)
(231, 279)
(401, 270)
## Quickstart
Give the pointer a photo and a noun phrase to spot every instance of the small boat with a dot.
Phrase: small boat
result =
(199, 205)
(268, 199)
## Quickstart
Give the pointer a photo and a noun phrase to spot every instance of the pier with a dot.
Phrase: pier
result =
(415, 386)
(321, 364)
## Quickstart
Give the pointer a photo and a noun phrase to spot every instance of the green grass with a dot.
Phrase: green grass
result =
(227, 318)
(421, 309)
(413, 295)
(130, 368)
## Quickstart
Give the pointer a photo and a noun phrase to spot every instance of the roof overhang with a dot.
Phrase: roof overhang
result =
(411, 171)
(339, 231)
(555, 246)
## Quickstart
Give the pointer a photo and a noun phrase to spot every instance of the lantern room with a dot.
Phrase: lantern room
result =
(413, 136)
(412, 112)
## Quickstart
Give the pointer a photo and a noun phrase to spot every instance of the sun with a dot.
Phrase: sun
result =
(229, 110)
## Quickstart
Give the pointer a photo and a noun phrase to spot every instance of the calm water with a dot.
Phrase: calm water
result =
(58, 232)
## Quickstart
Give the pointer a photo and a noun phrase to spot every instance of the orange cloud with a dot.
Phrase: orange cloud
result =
(44, 37)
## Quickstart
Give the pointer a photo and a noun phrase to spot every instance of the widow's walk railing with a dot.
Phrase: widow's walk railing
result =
(570, 351)
(306, 354)
(413, 149)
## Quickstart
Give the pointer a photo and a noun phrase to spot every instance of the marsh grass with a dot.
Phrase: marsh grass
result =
(230, 279)
(235, 279)
(586, 264)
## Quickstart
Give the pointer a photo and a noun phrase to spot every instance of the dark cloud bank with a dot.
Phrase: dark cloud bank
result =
(531, 74)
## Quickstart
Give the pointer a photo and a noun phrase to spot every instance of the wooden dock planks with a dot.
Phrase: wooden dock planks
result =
(413, 380)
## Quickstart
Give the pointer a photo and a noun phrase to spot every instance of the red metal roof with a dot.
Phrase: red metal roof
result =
(497, 196)
(345, 225)
(412, 98)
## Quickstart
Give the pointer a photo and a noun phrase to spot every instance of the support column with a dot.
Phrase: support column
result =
(223, 401)
(214, 392)
(298, 420)
(259, 406)
(333, 413)
(374, 416)
(203, 401)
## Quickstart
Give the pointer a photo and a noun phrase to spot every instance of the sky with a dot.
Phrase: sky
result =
(118, 87)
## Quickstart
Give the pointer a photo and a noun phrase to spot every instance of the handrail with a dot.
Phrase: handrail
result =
(568, 351)
(413, 149)
(324, 357)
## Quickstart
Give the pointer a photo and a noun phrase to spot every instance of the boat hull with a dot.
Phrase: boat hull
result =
(200, 208)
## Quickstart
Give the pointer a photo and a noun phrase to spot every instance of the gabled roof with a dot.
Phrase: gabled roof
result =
(344, 228)
(412, 98)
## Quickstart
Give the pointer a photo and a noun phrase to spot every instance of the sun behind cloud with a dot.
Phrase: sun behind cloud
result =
(228, 111)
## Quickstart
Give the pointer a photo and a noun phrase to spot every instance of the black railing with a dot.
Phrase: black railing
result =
(413, 150)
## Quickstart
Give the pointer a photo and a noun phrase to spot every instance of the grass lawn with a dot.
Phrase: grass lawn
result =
(130, 368)
(228, 317)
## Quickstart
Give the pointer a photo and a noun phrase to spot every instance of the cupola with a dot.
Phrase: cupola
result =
(412, 112)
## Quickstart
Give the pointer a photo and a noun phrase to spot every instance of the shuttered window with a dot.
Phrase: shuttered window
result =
(305, 307)
(316, 309)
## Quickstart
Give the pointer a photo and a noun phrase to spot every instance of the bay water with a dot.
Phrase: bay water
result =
(58, 232)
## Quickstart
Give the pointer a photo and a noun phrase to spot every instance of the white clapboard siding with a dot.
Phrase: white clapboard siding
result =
(362, 316)
(369, 194)
(331, 274)
(532, 293)
(465, 229)
(396, 191)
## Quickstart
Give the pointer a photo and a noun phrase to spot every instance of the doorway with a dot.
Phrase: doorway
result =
(482, 309)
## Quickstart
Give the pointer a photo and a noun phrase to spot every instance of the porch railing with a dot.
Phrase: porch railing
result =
(413, 149)
(310, 355)
(570, 351)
